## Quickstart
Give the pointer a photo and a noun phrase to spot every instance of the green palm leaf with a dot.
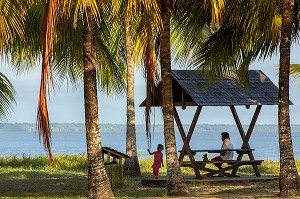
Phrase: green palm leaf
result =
(7, 97)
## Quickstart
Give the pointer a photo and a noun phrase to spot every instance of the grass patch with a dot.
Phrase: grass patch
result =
(33, 177)
(141, 192)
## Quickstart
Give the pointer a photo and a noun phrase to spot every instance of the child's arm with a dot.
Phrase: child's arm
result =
(149, 152)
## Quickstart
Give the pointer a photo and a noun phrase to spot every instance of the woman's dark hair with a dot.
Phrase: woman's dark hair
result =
(225, 135)
(160, 146)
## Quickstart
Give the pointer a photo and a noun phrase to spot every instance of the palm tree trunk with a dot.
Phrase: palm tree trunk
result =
(288, 182)
(176, 185)
(98, 181)
(131, 165)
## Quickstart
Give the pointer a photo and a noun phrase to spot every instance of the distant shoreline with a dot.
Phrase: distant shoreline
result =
(79, 127)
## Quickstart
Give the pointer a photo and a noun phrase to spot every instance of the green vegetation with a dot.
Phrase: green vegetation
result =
(35, 178)
(140, 128)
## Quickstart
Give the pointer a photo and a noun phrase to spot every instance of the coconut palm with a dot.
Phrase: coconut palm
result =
(146, 26)
(98, 182)
(175, 182)
(139, 27)
(243, 37)
(131, 165)
(60, 39)
(289, 182)
(145, 40)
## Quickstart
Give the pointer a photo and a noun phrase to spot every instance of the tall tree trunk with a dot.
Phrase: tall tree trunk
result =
(98, 181)
(131, 165)
(288, 182)
(176, 185)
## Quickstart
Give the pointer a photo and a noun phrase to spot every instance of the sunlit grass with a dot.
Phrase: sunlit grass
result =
(65, 162)
(34, 177)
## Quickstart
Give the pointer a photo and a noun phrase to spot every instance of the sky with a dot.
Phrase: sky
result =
(66, 105)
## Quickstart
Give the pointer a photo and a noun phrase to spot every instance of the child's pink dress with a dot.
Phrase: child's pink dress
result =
(157, 163)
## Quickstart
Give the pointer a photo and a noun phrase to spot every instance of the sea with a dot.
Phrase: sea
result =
(27, 144)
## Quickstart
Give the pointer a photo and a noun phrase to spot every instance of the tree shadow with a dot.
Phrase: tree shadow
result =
(42, 184)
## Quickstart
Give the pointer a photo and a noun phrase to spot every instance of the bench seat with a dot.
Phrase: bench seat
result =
(230, 162)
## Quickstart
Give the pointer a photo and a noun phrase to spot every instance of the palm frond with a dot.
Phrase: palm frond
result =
(48, 30)
(241, 38)
(7, 97)
(295, 71)
(12, 18)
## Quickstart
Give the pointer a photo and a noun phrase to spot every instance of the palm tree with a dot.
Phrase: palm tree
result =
(243, 37)
(142, 23)
(131, 165)
(147, 31)
(98, 181)
(288, 181)
(147, 27)
(175, 181)
(176, 185)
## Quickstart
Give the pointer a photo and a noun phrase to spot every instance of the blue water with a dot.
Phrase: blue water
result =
(23, 143)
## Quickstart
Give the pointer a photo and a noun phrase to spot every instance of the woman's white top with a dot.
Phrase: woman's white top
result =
(229, 154)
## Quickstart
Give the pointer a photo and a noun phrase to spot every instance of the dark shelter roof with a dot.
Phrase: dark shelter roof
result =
(191, 88)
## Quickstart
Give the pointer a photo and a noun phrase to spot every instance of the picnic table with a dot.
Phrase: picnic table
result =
(230, 164)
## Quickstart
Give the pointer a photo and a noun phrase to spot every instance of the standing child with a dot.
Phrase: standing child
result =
(158, 160)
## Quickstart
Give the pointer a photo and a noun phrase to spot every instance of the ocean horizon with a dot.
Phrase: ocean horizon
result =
(21, 143)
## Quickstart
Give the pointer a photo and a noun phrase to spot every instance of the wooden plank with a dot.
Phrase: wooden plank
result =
(186, 146)
(226, 161)
(220, 150)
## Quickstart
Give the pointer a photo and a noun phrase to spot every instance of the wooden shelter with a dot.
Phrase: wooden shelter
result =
(190, 88)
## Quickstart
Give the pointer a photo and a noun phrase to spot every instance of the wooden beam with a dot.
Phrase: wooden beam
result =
(244, 137)
(108, 157)
(186, 139)
(186, 104)
(183, 106)
(252, 124)
(182, 133)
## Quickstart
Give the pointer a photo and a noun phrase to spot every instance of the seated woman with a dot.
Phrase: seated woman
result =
(226, 155)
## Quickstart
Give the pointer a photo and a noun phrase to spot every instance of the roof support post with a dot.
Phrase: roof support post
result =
(183, 99)
(246, 137)
(186, 139)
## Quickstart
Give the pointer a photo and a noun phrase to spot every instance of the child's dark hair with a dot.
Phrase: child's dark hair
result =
(160, 146)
